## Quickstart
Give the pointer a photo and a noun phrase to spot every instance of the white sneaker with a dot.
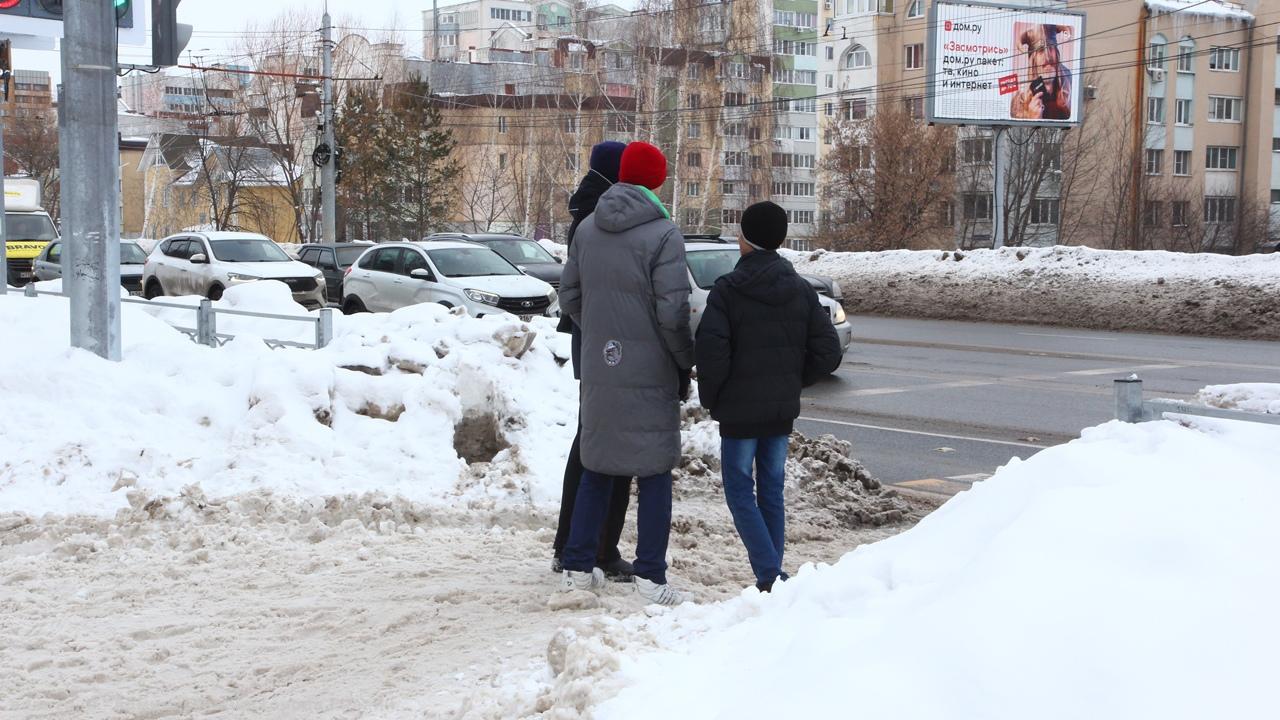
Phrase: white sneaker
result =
(662, 594)
(593, 581)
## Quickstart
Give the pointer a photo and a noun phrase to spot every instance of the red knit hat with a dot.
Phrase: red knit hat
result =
(643, 164)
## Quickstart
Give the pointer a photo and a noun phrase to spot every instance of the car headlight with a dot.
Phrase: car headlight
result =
(240, 277)
(835, 291)
(838, 317)
(481, 296)
(551, 297)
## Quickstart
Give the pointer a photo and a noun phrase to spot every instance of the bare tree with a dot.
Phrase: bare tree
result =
(31, 148)
(887, 182)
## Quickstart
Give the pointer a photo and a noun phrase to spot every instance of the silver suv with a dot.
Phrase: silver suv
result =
(454, 274)
(207, 263)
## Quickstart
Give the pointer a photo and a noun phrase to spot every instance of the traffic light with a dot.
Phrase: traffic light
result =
(52, 10)
(168, 36)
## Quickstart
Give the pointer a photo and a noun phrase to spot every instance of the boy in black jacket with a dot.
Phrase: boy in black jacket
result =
(763, 337)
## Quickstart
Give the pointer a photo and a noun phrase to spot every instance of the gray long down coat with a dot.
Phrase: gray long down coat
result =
(627, 286)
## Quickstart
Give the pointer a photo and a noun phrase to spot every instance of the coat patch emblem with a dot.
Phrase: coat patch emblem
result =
(613, 353)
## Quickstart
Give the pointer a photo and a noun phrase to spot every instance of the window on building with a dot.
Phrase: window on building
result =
(1151, 213)
(757, 162)
(694, 72)
(831, 53)
(1219, 209)
(804, 133)
(915, 9)
(1219, 157)
(1181, 162)
(1155, 110)
(734, 129)
(502, 124)
(695, 101)
(830, 80)
(1044, 211)
(694, 130)
(571, 162)
(734, 99)
(915, 106)
(915, 56)
(692, 217)
(976, 150)
(571, 124)
(448, 40)
(693, 159)
(855, 109)
(729, 188)
(1186, 56)
(730, 216)
(1182, 112)
(1275, 197)
(857, 58)
(693, 189)
(576, 61)
(947, 213)
(502, 161)
(829, 109)
(1156, 53)
(1275, 144)
(977, 206)
(732, 158)
(753, 190)
(1181, 212)
(1155, 161)
(800, 217)
(1277, 97)
(1051, 155)
(1224, 59)
(1225, 109)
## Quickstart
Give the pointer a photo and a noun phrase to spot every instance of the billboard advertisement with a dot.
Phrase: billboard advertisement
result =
(1000, 65)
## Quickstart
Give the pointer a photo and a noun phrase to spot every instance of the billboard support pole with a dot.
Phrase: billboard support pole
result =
(997, 199)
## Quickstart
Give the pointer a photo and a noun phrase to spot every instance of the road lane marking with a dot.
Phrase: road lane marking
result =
(935, 486)
(1123, 370)
(845, 423)
(894, 390)
(970, 478)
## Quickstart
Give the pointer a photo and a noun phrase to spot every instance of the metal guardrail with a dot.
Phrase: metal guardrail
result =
(1131, 408)
(206, 332)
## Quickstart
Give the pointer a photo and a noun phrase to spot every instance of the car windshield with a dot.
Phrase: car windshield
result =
(708, 265)
(131, 254)
(29, 227)
(470, 262)
(247, 250)
(521, 251)
(349, 255)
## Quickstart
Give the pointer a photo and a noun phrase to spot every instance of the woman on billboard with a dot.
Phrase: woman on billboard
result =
(1044, 91)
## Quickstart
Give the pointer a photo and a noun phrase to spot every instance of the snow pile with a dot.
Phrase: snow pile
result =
(1158, 291)
(1249, 397)
(555, 248)
(1207, 8)
(1089, 581)
(421, 403)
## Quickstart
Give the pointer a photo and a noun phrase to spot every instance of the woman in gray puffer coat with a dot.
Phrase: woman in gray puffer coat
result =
(626, 285)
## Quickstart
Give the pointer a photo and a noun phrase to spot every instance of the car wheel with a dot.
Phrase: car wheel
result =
(215, 292)
(352, 305)
(447, 304)
(154, 289)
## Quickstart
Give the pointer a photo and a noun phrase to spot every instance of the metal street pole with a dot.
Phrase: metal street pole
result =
(90, 172)
(997, 193)
(328, 205)
(4, 235)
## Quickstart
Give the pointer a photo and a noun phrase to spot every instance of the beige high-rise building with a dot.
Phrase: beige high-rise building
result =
(1175, 148)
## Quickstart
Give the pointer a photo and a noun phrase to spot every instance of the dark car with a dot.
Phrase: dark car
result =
(532, 259)
(332, 259)
(822, 284)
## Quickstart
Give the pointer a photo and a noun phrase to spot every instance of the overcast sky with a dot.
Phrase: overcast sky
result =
(216, 23)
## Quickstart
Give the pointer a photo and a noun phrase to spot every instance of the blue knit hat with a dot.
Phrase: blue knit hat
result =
(606, 157)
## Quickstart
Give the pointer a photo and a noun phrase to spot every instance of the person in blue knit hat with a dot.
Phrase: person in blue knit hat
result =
(606, 159)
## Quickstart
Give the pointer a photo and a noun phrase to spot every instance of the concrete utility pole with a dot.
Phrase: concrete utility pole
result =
(328, 206)
(89, 167)
(5, 62)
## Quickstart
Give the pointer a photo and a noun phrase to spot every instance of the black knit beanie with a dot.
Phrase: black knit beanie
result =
(764, 225)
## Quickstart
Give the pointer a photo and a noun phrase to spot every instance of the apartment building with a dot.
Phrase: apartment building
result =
(183, 94)
(796, 92)
(482, 30)
(1171, 152)
(30, 96)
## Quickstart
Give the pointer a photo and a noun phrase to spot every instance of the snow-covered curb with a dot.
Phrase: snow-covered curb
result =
(1249, 397)
(1088, 581)
(1153, 291)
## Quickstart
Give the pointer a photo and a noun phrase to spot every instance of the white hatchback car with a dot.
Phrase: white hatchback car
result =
(207, 263)
(454, 274)
(709, 260)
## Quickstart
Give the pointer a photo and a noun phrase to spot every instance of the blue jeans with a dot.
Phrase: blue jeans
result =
(756, 502)
(653, 524)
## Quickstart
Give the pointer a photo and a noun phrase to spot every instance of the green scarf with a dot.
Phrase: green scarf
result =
(655, 200)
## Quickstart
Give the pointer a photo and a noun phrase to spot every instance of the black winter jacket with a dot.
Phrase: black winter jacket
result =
(581, 204)
(763, 337)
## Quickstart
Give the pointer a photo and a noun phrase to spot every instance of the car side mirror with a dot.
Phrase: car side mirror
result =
(420, 274)
(559, 259)
(200, 259)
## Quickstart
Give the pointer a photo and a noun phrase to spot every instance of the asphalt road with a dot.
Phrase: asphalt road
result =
(935, 405)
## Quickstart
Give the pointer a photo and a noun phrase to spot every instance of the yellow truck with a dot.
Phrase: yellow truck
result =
(28, 228)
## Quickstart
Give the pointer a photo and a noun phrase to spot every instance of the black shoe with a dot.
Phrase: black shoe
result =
(556, 566)
(768, 587)
(618, 570)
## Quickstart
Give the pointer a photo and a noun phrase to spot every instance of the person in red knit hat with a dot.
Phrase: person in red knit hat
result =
(626, 285)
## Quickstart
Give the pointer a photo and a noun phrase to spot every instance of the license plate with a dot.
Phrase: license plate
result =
(526, 318)
(25, 275)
